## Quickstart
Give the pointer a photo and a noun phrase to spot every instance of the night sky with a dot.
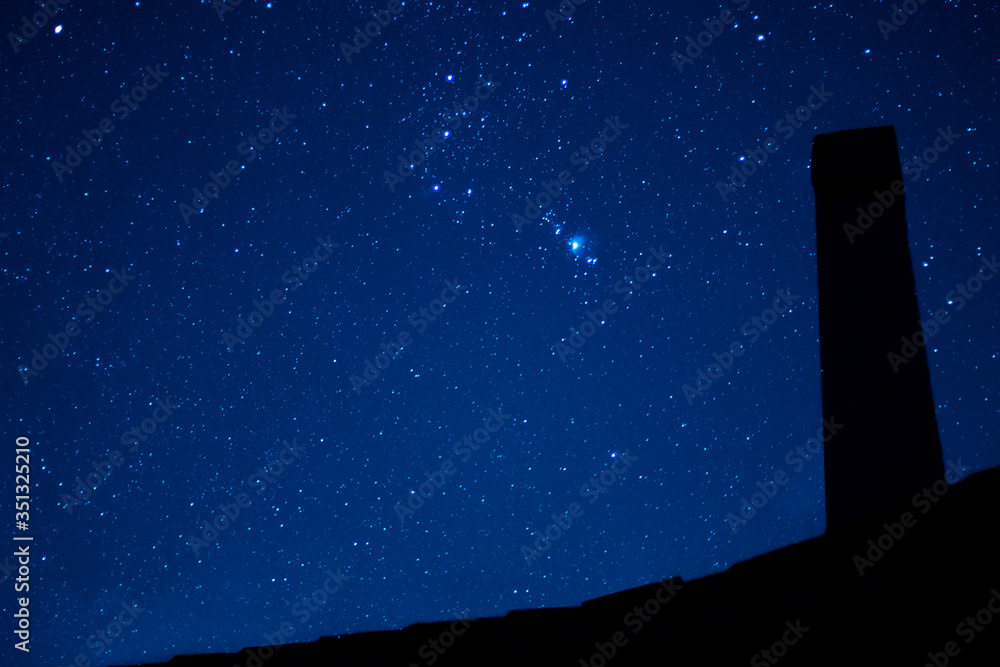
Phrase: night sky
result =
(590, 171)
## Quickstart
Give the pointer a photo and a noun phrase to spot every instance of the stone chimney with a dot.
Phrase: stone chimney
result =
(889, 447)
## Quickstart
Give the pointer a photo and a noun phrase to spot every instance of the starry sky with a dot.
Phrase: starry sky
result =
(260, 225)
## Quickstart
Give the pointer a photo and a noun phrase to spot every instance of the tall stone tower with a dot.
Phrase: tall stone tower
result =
(889, 447)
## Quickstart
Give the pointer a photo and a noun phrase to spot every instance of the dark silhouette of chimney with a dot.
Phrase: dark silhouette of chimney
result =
(889, 448)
